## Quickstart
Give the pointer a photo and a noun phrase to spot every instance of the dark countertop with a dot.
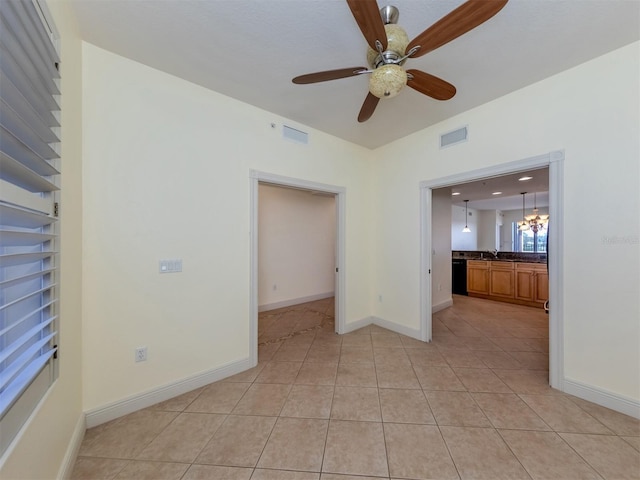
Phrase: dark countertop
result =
(502, 256)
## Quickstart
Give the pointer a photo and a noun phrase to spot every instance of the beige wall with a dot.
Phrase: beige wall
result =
(591, 112)
(51, 428)
(296, 245)
(166, 175)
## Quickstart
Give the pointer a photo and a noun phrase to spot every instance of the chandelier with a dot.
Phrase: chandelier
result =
(535, 221)
(524, 225)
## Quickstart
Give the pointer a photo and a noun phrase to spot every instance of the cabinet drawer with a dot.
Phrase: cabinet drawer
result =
(484, 264)
(501, 265)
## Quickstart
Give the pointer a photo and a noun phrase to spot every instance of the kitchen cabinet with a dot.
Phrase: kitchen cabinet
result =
(501, 279)
(532, 282)
(478, 277)
(514, 282)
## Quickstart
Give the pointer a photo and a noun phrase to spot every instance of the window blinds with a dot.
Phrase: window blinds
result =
(29, 146)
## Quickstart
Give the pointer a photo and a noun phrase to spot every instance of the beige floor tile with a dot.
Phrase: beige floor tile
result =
(355, 339)
(512, 344)
(295, 444)
(139, 470)
(279, 372)
(356, 354)
(263, 399)
(482, 344)
(480, 453)
(501, 360)
(507, 410)
(355, 448)
(179, 403)
(531, 382)
(408, 342)
(357, 375)
(308, 401)
(333, 476)
(456, 408)
(90, 468)
(562, 415)
(390, 355)
(619, 423)
(126, 436)
(220, 397)
(247, 376)
(283, 475)
(386, 340)
(438, 378)
(356, 403)
(300, 340)
(183, 439)
(481, 380)
(462, 358)
(265, 352)
(418, 452)
(405, 406)
(317, 374)
(238, 442)
(610, 456)
(427, 357)
(545, 455)
(291, 353)
(208, 472)
(396, 376)
(633, 441)
(532, 360)
(319, 353)
(327, 339)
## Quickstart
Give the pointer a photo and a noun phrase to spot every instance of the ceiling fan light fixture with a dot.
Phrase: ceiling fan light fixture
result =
(387, 81)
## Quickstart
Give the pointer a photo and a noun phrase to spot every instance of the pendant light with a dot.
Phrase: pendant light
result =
(536, 222)
(524, 225)
(466, 216)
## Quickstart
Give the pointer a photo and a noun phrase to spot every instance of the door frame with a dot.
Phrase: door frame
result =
(555, 162)
(256, 177)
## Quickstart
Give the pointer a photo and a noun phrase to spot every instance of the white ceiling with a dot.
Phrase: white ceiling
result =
(480, 192)
(251, 49)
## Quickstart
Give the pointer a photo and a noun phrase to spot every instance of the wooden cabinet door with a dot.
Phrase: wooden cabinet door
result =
(501, 282)
(525, 284)
(541, 286)
(478, 277)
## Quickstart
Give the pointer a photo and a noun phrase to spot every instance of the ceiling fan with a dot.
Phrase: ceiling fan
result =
(389, 48)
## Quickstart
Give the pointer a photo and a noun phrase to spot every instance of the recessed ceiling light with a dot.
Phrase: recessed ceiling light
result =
(455, 193)
(524, 179)
(496, 193)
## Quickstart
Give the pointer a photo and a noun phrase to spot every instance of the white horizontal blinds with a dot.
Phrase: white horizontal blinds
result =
(29, 145)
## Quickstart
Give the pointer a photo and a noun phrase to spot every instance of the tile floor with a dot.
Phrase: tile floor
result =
(373, 404)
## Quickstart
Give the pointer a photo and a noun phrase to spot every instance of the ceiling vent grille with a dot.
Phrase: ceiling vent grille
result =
(297, 136)
(454, 137)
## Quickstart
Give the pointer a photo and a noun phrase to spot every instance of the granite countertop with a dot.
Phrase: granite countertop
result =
(502, 256)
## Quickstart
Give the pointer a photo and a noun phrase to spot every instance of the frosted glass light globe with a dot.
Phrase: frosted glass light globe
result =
(387, 81)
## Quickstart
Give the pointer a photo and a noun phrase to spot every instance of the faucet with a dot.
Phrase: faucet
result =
(494, 253)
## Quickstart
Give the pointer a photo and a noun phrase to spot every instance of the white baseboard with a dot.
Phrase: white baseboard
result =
(442, 305)
(142, 400)
(73, 448)
(353, 326)
(614, 401)
(394, 327)
(294, 301)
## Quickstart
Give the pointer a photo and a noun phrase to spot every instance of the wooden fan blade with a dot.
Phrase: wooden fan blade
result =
(328, 75)
(368, 107)
(430, 85)
(464, 18)
(367, 15)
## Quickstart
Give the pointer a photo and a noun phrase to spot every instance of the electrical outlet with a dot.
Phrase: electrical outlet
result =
(141, 354)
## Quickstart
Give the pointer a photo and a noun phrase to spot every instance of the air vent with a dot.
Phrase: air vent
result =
(295, 135)
(453, 138)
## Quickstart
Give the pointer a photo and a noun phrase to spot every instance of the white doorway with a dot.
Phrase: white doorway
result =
(339, 193)
(554, 161)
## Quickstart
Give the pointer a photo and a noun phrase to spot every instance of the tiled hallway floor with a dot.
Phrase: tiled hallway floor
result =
(284, 323)
(474, 403)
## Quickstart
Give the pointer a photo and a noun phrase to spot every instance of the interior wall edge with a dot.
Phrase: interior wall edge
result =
(397, 328)
(133, 403)
(295, 301)
(600, 396)
(66, 468)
